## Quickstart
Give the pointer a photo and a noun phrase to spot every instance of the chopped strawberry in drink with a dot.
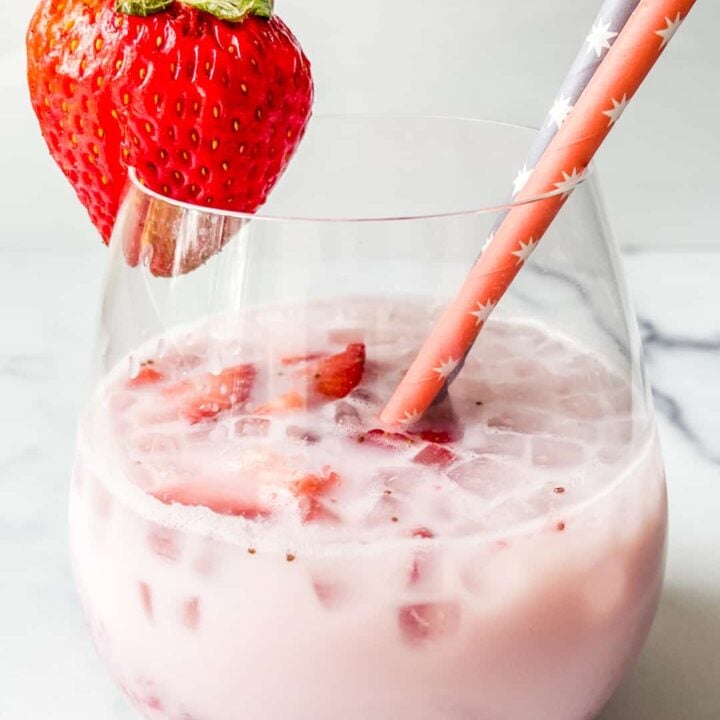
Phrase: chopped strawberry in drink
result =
(387, 440)
(285, 403)
(225, 498)
(422, 560)
(316, 484)
(435, 455)
(336, 376)
(206, 396)
(428, 622)
(300, 359)
(440, 437)
(309, 489)
(147, 375)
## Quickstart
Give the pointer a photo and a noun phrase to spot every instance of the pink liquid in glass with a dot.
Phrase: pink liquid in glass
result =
(501, 561)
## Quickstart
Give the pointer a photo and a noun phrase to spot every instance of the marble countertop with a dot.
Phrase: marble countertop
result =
(48, 668)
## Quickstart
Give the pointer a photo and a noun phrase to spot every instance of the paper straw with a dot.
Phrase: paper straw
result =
(627, 63)
(607, 26)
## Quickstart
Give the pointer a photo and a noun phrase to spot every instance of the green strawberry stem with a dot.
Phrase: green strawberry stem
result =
(142, 8)
(230, 10)
(233, 10)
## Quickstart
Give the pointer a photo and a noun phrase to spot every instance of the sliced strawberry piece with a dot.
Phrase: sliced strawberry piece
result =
(315, 484)
(223, 498)
(387, 440)
(309, 489)
(148, 375)
(206, 396)
(336, 376)
(299, 359)
(422, 560)
(427, 622)
(441, 437)
(436, 455)
(313, 510)
(285, 403)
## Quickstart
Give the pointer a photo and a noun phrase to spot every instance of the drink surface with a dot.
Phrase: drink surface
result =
(504, 552)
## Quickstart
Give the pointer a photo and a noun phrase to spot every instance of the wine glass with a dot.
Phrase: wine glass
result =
(248, 539)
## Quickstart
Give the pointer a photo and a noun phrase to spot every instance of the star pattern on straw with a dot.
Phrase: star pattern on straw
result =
(483, 312)
(617, 109)
(445, 369)
(600, 37)
(410, 417)
(568, 182)
(671, 28)
(521, 180)
(525, 251)
(488, 242)
(560, 110)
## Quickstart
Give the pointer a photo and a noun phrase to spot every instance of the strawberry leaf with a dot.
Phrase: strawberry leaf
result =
(233, 10)
(142, 8)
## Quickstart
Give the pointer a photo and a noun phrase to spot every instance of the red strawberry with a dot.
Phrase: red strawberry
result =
(435, 455)
(207, 100)
(336, 376)
(206, 396)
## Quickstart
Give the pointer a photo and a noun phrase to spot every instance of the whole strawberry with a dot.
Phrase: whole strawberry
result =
(206, 99)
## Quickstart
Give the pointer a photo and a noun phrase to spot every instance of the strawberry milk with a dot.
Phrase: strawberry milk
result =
(250, 543)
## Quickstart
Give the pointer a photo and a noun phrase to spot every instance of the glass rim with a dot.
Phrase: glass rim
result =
(294, 218)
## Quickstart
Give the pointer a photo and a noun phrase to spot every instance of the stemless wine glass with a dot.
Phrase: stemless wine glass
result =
(248, 540)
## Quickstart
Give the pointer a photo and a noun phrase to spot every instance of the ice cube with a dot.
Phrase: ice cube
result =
(488, 477)
(295, 432)
(152, 442)
(620, 432)
(520, 421)
(165, 542)
(347, 417)
(252, 427)
(552, 453)
(585, 407)
(502, 444)
(428, 622)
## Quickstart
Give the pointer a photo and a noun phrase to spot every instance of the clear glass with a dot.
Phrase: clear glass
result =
(249, 542)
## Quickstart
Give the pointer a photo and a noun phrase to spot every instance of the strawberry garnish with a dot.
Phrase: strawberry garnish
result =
(206, 396)
(436, 455)
(336, 376)
(206, 100)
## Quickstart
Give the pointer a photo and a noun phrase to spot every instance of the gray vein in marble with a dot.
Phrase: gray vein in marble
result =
(655, 342)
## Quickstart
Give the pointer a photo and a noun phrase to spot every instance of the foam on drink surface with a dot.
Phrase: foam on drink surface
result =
(540, 428)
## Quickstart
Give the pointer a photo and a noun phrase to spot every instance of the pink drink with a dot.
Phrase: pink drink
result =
(501, 561)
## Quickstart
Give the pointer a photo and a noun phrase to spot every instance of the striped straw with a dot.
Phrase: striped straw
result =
(615, 82)
(607, 26)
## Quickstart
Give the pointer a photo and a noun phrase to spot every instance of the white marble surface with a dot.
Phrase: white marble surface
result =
(48, 669)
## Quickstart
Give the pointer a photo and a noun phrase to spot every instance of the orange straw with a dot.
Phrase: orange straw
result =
(615, 82)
